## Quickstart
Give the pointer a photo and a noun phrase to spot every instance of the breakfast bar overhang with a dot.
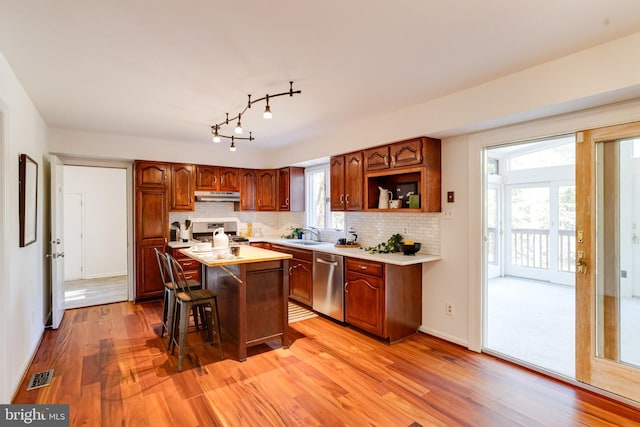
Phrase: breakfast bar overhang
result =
(253, 293)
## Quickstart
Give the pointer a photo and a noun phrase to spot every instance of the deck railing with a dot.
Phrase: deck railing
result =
(530, 248)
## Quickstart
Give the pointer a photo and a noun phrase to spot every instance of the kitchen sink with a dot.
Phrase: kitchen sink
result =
(304, 242)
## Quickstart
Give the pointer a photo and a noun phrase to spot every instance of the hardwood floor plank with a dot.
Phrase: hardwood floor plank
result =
(111, 366)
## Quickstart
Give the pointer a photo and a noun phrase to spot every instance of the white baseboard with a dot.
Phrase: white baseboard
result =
(446, 337)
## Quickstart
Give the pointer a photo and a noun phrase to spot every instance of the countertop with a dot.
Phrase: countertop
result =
(248, 254)
(394, 258)
(327, 247)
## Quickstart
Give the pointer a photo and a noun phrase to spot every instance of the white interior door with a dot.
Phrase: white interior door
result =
(56, 242)
(73, 241)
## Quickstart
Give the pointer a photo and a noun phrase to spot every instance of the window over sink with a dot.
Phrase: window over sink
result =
(318, 212)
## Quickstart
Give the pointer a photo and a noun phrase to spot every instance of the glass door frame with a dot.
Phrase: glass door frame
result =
(605, 374)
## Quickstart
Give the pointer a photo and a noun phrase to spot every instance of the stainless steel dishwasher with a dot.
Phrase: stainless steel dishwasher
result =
(328, 285)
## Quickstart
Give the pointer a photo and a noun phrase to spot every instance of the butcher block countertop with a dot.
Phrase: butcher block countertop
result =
(248, 254)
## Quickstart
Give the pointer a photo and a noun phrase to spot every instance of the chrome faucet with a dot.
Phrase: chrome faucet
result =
(315, 231)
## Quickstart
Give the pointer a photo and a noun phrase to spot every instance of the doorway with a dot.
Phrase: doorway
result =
(96, 234)
(530, 253)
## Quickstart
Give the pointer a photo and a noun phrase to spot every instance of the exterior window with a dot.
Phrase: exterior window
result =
(318, 212)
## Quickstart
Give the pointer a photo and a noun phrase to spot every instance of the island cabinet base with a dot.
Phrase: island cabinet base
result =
(252, 302)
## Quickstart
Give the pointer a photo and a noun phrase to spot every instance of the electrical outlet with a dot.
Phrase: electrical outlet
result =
(447, 213)
(404, 231)
(448, 309)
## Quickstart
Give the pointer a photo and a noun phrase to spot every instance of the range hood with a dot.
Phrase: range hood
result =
(217, 196)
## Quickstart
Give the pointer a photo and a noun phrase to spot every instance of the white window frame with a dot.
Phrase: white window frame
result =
(309, 197)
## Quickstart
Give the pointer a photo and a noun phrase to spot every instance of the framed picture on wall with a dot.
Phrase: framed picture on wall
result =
(28, 200)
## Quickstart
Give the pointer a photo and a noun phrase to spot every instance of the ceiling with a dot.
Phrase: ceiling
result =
(169, 69)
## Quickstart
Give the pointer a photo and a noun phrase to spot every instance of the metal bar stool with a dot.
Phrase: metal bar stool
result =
(188, 299)
(169, 295)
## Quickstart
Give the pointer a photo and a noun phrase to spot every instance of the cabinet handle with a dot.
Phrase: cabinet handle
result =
(394, 159)
(287, 201)
(342, 199)
(362, 267)
(259, 202)
(346, 287)
(346, 199)
(222, 180)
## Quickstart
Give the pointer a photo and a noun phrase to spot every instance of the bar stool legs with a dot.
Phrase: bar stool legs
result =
(180, 328)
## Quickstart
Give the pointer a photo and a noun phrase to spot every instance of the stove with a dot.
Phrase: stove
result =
(202, 230)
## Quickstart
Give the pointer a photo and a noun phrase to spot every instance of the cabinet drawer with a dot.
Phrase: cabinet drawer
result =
(188, 263)
(366, 267)
(192, 275)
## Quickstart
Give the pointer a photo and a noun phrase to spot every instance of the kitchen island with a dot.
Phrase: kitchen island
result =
(253, 290)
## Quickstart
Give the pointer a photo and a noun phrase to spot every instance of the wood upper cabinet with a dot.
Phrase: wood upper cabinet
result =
(354, 181)
(215, 178)
(376, 158)
(206, 178)
(183, 185)
(266, 190)
(247, 190)
(383, 299)
(347, 182)
(229, 179)
(152, 174)
(151, 225)
(291, 189)
(336, 176)
(406, 153)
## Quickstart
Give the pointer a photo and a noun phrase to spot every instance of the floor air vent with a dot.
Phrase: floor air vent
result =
(40, 379)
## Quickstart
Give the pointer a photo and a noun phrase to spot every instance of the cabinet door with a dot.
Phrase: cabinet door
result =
(376, 159)
(151, 224)
(152, 174)
(336, 175)
(206, 178)
(354, 182)
(229, 179)
(407, 153)
(266, 190)
(247, 190)
(283, 189)
(364, 302)
(301, 281)
(182, 187)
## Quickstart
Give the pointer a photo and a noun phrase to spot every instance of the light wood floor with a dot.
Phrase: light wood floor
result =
(111, 367)
(96, 291)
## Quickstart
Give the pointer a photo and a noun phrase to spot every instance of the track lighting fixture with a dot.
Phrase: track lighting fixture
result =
(215, 129)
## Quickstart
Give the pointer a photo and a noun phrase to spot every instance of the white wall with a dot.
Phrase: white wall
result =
(104, 218)
(22, 275)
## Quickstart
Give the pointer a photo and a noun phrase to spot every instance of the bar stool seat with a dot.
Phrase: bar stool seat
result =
(203, 301)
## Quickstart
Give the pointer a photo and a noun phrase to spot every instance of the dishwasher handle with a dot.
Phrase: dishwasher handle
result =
(324, 261)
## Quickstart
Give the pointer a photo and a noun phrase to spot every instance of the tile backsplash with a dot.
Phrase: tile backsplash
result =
(371, 227)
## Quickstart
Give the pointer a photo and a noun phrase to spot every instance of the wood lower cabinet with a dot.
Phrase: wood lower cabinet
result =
(182, 185)
(263, 245)
(383, 299)
(364, 295)
(191, 267)
(300, 274)
(151, 226)
(266, 190)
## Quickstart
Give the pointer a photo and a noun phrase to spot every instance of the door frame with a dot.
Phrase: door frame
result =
(128, 166)
(599, 372)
